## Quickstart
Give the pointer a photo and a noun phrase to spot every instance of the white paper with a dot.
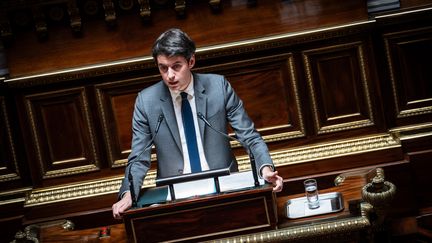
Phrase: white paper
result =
(237, 181)
(234, 181)
(193, 188)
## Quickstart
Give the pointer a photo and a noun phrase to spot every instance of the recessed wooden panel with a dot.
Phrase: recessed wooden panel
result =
(116, 105)
(62, 132)
(268, 89)
(8, 161)
(339, 87)
(409, 56)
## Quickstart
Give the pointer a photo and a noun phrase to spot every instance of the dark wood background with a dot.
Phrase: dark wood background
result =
(310, 72)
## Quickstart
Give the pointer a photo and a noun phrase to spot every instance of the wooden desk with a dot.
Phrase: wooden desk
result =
(204, 217)
(272, 229)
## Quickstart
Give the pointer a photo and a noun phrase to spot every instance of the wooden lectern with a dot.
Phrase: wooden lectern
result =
(204, 217)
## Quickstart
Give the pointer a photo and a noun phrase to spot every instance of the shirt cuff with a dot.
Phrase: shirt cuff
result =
(262, 166)
(123, 193)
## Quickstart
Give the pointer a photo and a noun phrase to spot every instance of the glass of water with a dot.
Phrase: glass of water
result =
(311, 193)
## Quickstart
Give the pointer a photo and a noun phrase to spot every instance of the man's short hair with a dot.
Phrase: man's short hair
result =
(174, 42)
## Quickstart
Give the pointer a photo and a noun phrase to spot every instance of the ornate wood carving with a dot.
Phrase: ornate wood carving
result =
(62, 132)
(110, 14)
(74, 15)
(145, 10)
(40, 22)
(215, 4)
(180, 7)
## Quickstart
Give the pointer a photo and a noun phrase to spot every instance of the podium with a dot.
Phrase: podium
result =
(205, 217)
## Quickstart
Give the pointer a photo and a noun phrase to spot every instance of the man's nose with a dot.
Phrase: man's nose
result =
(171, 73)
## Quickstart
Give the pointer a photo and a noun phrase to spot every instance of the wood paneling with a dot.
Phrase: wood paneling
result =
(63, 133)
(116, 102)
(8, 158)
(315, 96)
(339, 84)
(253, 79)
(409, 58)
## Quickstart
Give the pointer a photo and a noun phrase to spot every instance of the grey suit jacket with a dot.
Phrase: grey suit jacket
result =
(217, 101)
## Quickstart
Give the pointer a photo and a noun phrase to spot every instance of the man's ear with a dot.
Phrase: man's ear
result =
(192, 61)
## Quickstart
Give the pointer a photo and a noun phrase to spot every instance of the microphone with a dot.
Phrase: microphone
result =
(149, 145)
(251, 156)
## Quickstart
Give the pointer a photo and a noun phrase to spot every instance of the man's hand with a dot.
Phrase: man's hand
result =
(121, 206)
(272, 177)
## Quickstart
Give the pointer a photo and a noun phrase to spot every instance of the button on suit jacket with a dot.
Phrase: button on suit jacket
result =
(217, 101)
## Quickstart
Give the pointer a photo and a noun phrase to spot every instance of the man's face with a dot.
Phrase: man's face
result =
(175, 71)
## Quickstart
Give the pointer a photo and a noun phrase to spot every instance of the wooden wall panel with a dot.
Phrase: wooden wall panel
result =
(9, 169)
(409, 58)
(339, 87)
(62, 132)
(116, 102)
(269, 90)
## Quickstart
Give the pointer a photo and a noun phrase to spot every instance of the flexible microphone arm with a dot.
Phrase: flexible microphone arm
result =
(251, 156)
(149, 145)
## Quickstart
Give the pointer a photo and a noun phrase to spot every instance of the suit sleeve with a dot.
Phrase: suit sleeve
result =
(139, 160)
(245, 128)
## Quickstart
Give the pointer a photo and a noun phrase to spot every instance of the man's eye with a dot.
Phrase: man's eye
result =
(176, 67)
(163, 69)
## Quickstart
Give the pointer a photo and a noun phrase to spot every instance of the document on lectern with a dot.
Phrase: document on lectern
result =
(233, 182)
(238, 181)
(193, 188)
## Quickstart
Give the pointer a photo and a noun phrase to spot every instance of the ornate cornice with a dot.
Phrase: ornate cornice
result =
(413, 131)
(203, 53)
(81, 190)
(280, 158)
(330, 229)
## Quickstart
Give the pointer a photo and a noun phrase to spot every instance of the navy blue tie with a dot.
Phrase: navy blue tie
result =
(189, 130)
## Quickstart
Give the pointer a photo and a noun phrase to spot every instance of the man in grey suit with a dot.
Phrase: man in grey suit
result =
(160, 107)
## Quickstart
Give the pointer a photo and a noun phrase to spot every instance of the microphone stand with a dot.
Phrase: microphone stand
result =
(254, 170)
(251, 156)
(149, 145)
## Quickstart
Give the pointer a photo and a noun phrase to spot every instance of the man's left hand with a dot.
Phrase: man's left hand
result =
(272, 177)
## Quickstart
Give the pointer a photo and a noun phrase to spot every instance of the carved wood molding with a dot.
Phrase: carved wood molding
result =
(281, 158)
(9, 171)
(331, 230)
(203, 53)
(83, 158)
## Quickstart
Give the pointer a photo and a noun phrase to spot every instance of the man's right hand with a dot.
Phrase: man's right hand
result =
(121, 206)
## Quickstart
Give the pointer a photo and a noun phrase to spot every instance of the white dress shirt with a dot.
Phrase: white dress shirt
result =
(177, 100)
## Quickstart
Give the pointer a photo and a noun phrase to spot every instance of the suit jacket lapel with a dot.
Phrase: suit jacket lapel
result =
(201, 103)
(168, 111)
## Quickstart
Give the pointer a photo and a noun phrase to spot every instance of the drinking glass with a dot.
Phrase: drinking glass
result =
(311, 190)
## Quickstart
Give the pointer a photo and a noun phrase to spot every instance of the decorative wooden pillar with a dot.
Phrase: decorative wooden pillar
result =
(180, 8)
(40, 22)
(75, 18)
(110, 14)
(145, 10)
